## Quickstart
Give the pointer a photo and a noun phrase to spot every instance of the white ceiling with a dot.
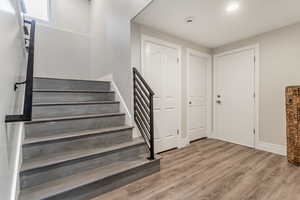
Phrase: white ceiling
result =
(212, 25)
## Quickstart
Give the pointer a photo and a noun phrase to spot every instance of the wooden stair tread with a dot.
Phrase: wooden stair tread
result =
(74, 134)
(57, 158)
(68, 183)
(74, 117)
(71, 91)
(70, 79)
(75, 103)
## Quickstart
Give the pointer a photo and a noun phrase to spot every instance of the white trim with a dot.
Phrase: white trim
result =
(226, 140)
(49, 9)
(273, 148)
(159, 42)
(264, 146)
(234, 51)
(144, 38)
(50, 26)
(123, 106)
(208, 89)
(118, 97)
(256, 49)
(108, 77)
(183, 142)
(14, 193)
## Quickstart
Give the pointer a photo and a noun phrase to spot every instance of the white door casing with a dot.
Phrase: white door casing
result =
(235, 94)
(161, 69)
(199, 81)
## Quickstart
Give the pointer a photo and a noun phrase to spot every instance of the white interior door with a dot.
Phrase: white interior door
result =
(197, 96)
(161, 70)
(234, 97)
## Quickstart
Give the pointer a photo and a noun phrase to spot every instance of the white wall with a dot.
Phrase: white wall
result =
(62, 44)
(279, 68)
(137, 30)
(61, 54)
(110, 41)
(87, 40)
(72, 15)
(12, 56)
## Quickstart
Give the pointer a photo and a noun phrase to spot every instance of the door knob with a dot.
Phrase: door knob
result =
(218, 102)
(190, 102)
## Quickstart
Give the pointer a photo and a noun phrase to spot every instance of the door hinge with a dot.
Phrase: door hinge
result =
(254, 59)
(254, 131)
(254, 95)
(177, 60)
(177, 131)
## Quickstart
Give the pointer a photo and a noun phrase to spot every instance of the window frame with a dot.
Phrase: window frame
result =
(36, 18)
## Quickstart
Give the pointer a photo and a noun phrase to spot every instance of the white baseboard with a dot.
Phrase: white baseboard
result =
(123, 106)
(15, 189)
(108, 77)
(264, 146)
(273, 148)
(183, 142)
(136, 132)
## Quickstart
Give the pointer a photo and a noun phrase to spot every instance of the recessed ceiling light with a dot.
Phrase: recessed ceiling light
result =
(189, 20)
(232, 6)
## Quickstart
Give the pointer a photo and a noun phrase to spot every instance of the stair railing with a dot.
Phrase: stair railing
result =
(29, 33)
(143, 110)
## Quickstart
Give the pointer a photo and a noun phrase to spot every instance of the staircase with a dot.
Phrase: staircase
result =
(78, 146)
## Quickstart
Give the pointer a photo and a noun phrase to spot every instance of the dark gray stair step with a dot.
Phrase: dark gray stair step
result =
(56, 125)
(74, 103)
(50, 96)
(54, 159)
(63, 136)
(98, 157)
(93, 182)
(92, 140)
(69, 84)
(42, 110)
(66, 118)
(71, 91)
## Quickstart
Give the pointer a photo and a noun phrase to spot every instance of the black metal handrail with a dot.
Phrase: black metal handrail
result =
(27, 107)
(143, 110)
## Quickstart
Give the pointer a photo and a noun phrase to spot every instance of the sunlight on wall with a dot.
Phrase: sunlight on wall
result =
(38, 9)
(6, 6)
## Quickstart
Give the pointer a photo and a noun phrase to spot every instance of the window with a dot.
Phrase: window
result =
(38, 9)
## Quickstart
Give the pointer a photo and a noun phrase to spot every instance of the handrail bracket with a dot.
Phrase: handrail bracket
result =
(19, 83)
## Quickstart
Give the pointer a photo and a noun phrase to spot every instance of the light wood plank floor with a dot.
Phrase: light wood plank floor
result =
(216, 170)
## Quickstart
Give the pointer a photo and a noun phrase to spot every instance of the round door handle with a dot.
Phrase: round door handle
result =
(190, 102)
(218, 102)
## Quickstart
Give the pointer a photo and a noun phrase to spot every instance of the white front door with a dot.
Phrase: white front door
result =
(197, 95)
(234, 97)
(162, 71)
